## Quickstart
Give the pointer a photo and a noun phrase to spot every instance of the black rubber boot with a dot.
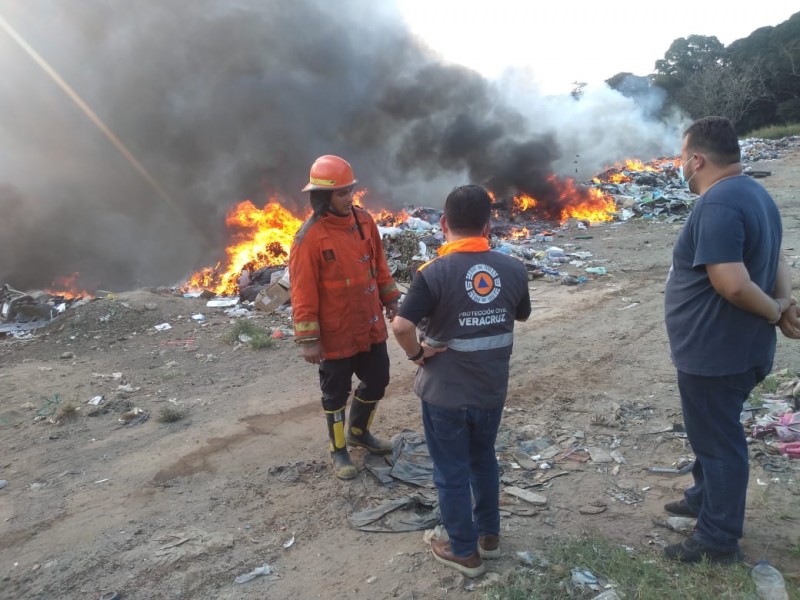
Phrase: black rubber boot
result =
(361, 415)
(343, 467)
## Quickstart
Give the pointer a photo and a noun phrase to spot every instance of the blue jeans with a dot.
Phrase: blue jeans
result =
(461, 445)
(711, 408)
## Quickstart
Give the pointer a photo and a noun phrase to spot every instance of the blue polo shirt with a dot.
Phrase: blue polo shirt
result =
(734, 221)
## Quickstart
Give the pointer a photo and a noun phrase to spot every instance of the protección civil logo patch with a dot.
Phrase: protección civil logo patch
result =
(482, 283)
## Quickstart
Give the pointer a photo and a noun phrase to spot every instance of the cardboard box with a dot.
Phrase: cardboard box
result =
(271, 297)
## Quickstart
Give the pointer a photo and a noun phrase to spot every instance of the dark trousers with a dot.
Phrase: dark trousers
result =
(461, 444)
(336, 377)
(711, 413)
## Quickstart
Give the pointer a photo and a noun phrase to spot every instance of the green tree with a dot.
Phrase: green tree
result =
(687, 56)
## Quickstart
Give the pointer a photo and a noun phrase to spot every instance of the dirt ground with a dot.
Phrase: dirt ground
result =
(151, 509)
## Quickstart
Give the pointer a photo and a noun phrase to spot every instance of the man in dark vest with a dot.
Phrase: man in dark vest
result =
(466, 301)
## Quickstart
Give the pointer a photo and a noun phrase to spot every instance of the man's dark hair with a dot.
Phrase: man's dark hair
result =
(716, 138)
(467, 209)
(320, 201)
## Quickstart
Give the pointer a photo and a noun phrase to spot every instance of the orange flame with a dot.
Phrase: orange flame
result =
(576, 203)
(263, 238)
(524, 202)
(383, 217)
(620, 172)
(67, 287)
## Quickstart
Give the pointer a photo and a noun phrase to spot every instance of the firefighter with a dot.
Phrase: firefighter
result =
(341, 286)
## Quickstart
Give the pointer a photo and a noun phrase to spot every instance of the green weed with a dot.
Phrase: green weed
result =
(257, 336)
(635, 574)
(775, 132)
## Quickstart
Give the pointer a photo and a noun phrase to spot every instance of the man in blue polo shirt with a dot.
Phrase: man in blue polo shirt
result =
(467, 301)
(727, 289)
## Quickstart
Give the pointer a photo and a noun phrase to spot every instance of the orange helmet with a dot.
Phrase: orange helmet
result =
(330, 172)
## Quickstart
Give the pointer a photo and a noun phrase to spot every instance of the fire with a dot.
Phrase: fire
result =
(263, 237)
(520, 234)
(621, 171)
(595, 209)
(523, 202)
(383, 217)
(575, 203)
(583, 204)
(67, 287)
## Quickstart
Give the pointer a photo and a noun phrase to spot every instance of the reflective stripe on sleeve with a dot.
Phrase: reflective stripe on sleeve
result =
(306, 326)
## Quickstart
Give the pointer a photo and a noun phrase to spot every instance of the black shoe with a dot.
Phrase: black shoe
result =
(692, 551)
(680, 508)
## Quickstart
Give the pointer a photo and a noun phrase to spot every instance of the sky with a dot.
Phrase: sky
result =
(577, 40)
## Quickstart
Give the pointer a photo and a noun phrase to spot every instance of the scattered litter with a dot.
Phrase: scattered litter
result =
(288, 543)
(535, 499)
(679, 524)
(3, 483)
(134, 417)
(222, 302)
(525, 557)
(162, 327)
(687, 468)
(199, 317)
(257, 572)
(102, 480)
(600, 456)
(583, 579)
(415, 512)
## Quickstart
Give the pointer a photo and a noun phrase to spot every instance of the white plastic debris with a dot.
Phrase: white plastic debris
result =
(162, 327)
(288, 543)
(223, 302)
(257, 572)
(388, 231)
(199, 317)
(417, 223)
(96, 401)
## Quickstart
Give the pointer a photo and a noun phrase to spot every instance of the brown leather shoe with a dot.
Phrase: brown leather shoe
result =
(489, 546)
(471, 566)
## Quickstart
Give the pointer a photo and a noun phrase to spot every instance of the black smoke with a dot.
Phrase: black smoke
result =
(221, 101)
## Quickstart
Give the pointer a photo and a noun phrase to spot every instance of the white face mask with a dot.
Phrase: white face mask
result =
(683, 177)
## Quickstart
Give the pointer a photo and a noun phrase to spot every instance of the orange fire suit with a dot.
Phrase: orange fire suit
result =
(340, 281)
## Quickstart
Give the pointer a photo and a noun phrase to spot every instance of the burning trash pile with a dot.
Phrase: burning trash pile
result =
(253, 273)
(647, 190)
(21, 312)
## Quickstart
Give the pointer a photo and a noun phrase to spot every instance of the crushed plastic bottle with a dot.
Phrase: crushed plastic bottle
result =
(769, 582)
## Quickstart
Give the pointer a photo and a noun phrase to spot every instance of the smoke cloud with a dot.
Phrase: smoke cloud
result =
(226, 100)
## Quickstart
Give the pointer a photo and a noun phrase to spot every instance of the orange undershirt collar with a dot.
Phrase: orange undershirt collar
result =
(470, 244)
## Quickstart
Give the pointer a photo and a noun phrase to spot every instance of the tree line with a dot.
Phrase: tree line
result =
(755, 81)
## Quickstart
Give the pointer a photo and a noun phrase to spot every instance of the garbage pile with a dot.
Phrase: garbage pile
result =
(647, 190)
(757, 149)
(23, 312)
(774, 417)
